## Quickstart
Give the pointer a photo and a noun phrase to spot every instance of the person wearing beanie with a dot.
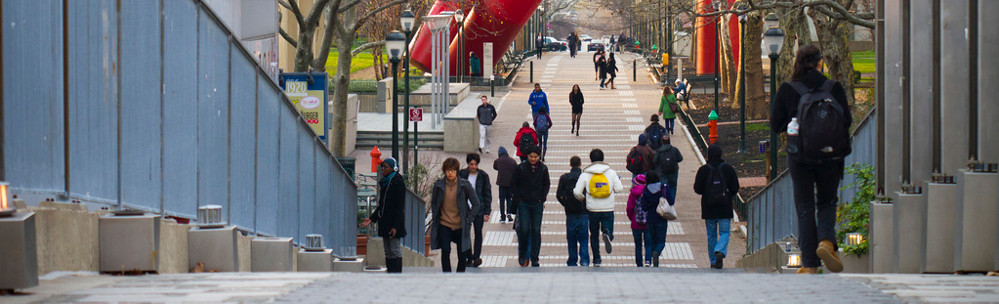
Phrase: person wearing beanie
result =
(505, 166)
(655, 132)
(638, 218)
(655, 189)
(390, 213)
(717, 183)
(640, 158)
(597, 184)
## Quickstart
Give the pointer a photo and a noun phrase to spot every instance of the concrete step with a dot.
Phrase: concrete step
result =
(427, 140)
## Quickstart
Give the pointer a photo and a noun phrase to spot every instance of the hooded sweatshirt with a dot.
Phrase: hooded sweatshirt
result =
(722, 209)
(524, 131)
(594, 204)
(633, 199)
(504, 166)
(538, 100)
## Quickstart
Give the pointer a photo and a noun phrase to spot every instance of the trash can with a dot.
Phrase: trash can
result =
(347, 163)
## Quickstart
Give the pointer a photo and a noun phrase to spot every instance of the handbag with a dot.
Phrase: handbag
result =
(673, 107)
(666, 210)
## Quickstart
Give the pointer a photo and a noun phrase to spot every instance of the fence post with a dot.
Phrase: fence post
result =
(532, 71)
(634, 70)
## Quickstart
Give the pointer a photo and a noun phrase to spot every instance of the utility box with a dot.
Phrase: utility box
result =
(215, 247)
(129, 243)
(315, 261)
(271, 254)
(18, 253)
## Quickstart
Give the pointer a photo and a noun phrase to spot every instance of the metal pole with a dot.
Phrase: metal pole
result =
(435, 69)
(446, 98)
(405, 128)
(416, 142)
(461, 55)
(395, 109)
(634, 70)
(773, 99)
(717, 78)
(532, 71)
(742, 88)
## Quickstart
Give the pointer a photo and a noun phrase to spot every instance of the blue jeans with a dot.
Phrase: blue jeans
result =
(576, 235)
(640, 235)
(718, 230)
(657, 232)
(543, 141)
(669, 125)
(505, 200)
(529, 235)
(600, 222)
(671, 182)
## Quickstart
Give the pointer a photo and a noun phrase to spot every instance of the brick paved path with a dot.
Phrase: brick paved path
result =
(611, 121)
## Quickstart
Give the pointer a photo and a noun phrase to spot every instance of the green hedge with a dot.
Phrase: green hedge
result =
(371, 86)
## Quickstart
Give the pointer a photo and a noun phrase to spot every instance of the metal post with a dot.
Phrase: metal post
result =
(773, 100)
(405, 128)
(717, 78)
(461, 54)
(416, 142)
(742, 88)
(492, 85)
(634, 70)
(434, 75)
(395, 109)
(532, 71)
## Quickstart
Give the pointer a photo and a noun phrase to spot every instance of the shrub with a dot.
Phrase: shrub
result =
(854, 216)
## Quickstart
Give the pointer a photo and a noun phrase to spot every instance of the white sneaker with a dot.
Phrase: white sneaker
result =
(487, 150)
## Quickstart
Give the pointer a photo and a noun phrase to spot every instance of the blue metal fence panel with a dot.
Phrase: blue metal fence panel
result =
(267, 145)
(288, 167)
(306, 183)
(33, 137)
(324, 193)
(93, 99)
(180, 108)
(241, 139)
(344, 218)
(213, 113)
(141, 105)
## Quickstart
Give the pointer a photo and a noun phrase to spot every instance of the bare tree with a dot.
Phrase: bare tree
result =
(307, 25)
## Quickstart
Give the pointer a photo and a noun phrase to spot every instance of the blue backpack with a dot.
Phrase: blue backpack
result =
(541, 123)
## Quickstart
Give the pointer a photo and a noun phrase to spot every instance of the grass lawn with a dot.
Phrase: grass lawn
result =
(360, 62)
(863, 62)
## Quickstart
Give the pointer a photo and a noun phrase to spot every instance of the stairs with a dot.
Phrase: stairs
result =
(432, 140)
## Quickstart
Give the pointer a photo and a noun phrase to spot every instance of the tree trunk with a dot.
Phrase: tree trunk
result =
(796, 31)
(376, 54)
(757, 104)
(303, 53)
(340, 84)
(834, 40)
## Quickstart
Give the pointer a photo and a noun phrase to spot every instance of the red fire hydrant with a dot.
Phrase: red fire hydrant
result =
(713, 127)
(376, 159)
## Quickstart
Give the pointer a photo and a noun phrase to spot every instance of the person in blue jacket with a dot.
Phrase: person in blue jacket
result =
(538, 101)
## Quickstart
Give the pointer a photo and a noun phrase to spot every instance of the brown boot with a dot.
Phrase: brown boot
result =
(808, 270)
(827, 253)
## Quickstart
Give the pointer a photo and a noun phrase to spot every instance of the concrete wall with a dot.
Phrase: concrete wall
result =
(410, 258)
(67, 238)
(461, 128)
(173, 246)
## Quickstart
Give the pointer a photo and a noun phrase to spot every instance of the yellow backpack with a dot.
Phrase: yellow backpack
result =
(599, 186)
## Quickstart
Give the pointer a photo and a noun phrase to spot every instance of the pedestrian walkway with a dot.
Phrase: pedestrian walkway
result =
(611, 121)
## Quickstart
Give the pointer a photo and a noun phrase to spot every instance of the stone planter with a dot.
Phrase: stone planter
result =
(856, 264)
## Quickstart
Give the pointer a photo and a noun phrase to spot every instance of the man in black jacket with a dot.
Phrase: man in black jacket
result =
(483, 189)
(577, 221)
(390, 214)
(667, 165)
(485, 113)
(717, 183)
(530, 187)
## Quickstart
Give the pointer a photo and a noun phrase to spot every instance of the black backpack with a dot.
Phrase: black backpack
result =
(821, 121)
(526, 141)
(655, 136)
(717, 189)
(634, 161)
(667, 163)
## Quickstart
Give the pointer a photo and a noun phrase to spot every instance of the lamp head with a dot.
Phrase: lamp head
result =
(771, 21)
(773, 38)
(743, 10)
(407, 20)
(459, 15)
(395, 42)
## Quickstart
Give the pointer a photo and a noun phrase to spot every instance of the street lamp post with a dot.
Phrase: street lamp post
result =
(407, 20)
(395, 42)
(742, 79)
(717, 7)
(459, 16)
(774, 39)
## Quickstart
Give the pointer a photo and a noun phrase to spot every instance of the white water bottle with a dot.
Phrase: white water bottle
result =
(793, 142)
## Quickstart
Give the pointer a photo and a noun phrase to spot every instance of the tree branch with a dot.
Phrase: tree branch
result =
(361, 48)
(360, 22)
(298, 13)
(317, 11)
(324, 46)
(284, 4)
(288, 38)
(348, 5)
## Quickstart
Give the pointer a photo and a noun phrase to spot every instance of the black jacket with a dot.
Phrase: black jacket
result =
(530, 186)
(576, 100)
(564, 192)
(483, 189)
(716, 210)
(788, 99)
(391, 206)
(662, 152)
(486, 114)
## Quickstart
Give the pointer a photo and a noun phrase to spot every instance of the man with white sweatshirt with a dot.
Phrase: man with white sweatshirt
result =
(597, 184)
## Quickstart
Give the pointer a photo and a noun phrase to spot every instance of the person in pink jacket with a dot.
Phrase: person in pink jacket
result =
(638, 227)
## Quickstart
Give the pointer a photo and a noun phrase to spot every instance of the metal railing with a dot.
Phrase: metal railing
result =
(416, 215)
(155, 105)
(772, 212)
